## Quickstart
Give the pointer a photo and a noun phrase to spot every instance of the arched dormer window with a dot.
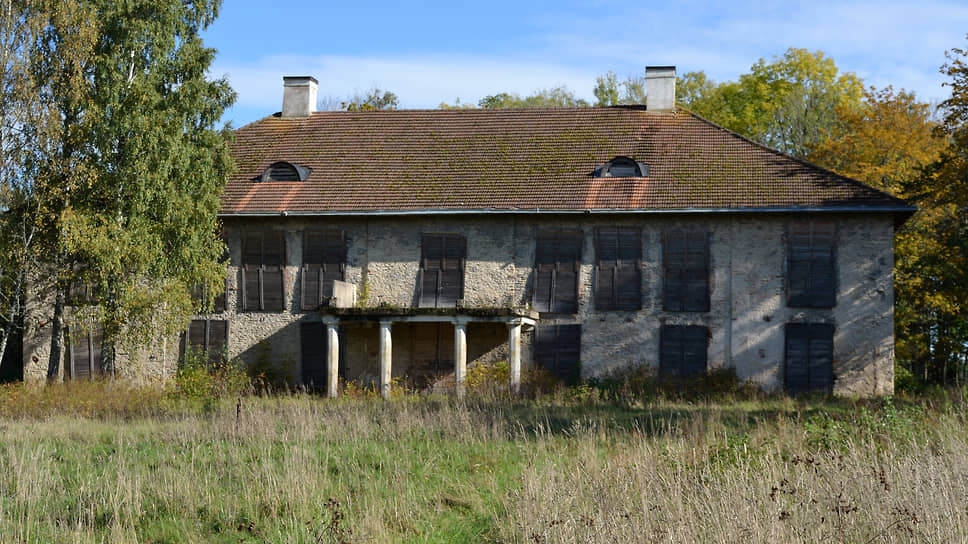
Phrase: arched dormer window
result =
(285, 171)
(622, 167)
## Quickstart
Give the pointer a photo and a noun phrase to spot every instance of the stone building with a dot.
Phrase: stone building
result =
(375, 245)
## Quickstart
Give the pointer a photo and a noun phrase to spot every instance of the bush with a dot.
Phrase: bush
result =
(197, 379)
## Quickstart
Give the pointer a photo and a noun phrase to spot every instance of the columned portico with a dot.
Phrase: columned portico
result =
(514, 318)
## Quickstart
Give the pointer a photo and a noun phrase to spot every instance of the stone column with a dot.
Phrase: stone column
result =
(332, 359)
(514, 355)
(460, 357)
(385, 356)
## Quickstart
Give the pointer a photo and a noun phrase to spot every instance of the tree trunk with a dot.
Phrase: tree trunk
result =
(56, 336)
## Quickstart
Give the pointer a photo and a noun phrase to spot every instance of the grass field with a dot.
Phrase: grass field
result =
(106, 463)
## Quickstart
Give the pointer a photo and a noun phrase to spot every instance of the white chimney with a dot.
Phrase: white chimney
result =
(299, 96)
(660, 88)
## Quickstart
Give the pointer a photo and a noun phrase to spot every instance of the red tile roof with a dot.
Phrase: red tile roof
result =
(524, 159)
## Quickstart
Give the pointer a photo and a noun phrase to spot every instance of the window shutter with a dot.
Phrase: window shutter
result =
(217, 341)
(821, 368)
(544, 274)
(442, 270)
(809, 358)
(694, 348)
(823, 285)
(272, 280)
(674, 263)
(696, 295)
(670, 350)
(683, 350)
(606, 261)
(811, 265)
(314, 346)
(80, 353)
(558, 350)
(618, 277)
(686, 264)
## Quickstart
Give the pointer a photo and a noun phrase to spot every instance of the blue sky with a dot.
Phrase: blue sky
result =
(433, 52)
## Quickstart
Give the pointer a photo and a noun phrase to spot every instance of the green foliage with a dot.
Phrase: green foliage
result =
(198, 380)
(374, 99)
(610, 92)
(554, 97)
(129, 184)
(788, 103)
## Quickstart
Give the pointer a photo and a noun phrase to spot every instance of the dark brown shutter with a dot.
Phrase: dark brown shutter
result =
(683, 350)
(809, 358)
(263, 267)
(324, 260)
(217, 340)
(618, 273)
(558, 350)
(811, 265)
(314, 343)
(558, 258)
(686, 263)
(442, 270)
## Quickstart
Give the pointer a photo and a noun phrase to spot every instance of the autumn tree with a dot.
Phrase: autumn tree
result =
(130, 187)
(553, 97)
(788, 103)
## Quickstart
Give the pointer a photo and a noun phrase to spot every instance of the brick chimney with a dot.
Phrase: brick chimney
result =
(299, 96)
(660, 88)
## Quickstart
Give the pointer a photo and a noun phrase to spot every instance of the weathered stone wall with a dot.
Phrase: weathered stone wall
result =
(746, 320)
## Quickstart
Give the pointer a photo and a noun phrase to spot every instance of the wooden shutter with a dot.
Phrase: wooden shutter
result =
(84, 353)
(558, 350)
(217, 340)
(811, 265)
(618, 275)
(324, 260)
(263, 270)
(809, 358)
(686, 263)
(314, 344)
(683, 350)
(558, 257)
(442, 270)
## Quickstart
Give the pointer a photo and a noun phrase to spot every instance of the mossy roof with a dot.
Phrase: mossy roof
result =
(523, 159)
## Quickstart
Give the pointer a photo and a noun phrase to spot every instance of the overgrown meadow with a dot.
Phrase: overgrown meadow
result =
(106, 462)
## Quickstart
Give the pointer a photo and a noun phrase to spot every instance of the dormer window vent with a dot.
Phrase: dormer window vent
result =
(622, 167)
(285, 171)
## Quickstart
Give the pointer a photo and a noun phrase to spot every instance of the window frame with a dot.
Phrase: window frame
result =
(547, 274)
(261, 268)
(680, 337)
(619, 271)
(806, 267)
(679, 276)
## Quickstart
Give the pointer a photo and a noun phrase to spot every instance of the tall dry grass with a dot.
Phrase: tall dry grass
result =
(565, 468)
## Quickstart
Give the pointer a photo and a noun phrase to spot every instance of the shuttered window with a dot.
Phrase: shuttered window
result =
(685, 256)
(263, 268)
(809, 358)
(558, 350)
(557, 258)
(811, 265)
(209, 338)
(618, 274)
(682, 350)
(85, 354)
(201, 295)
(442, 270)
(314, 344)
(324, 261)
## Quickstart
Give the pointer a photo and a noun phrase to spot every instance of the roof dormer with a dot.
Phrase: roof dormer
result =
(622, 167)
(285, 171)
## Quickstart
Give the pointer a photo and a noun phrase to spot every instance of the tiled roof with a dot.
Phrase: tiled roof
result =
(524, 159)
